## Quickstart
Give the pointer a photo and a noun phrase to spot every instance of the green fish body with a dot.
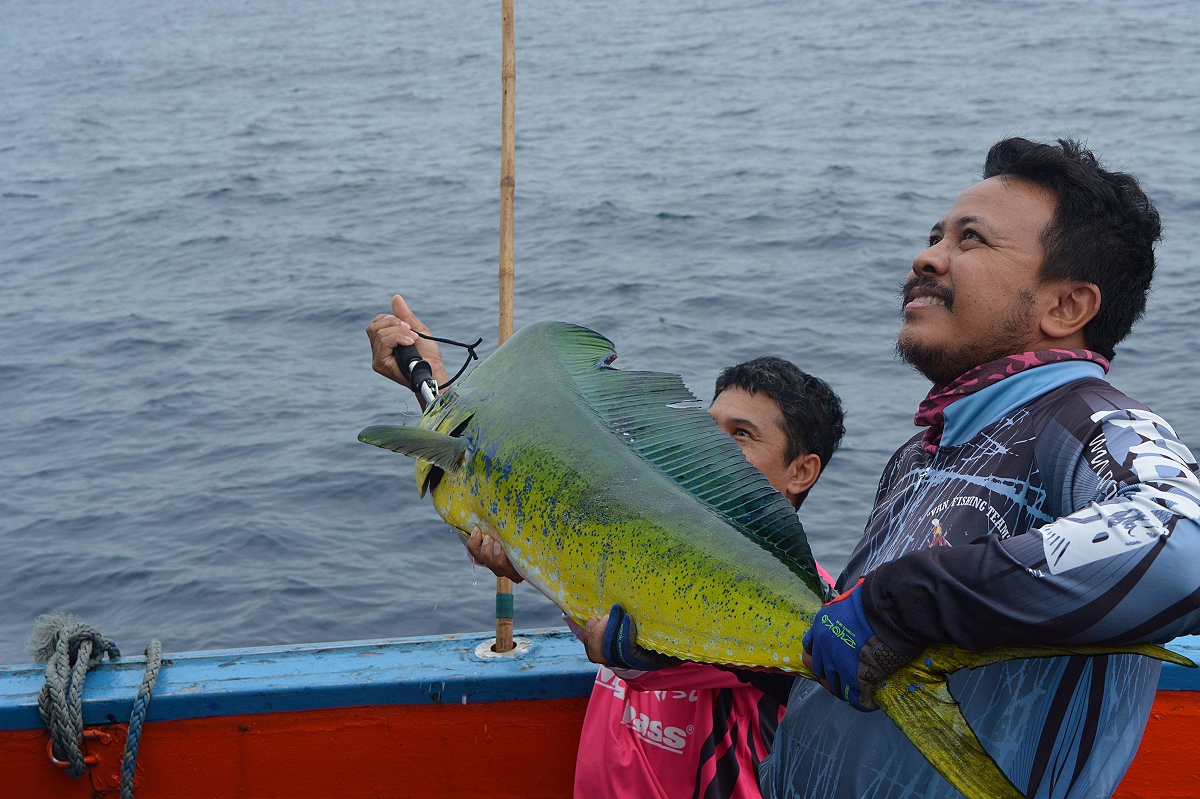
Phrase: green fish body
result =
(606, 486)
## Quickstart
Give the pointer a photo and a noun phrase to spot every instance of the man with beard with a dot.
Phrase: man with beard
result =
(1039, 506)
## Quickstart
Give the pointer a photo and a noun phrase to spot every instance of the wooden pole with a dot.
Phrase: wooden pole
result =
(508, 81)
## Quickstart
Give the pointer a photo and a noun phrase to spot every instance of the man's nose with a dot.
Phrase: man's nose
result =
(931, 261)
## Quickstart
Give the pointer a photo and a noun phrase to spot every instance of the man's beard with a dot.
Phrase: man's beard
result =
(1010, 335)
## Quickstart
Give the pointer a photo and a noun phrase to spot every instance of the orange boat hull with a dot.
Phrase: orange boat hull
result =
(500, 749)
(455, 740)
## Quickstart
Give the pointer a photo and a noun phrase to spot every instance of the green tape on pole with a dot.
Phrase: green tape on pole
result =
(504, 606)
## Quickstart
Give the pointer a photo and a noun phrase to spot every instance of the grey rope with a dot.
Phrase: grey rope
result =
(69, 648)
(140, 705)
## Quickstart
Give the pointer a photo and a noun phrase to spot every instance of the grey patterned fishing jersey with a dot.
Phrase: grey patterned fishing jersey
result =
(1065, 512)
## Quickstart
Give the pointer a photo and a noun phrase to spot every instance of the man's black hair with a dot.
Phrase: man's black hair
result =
(812, 414)
(1103, 231)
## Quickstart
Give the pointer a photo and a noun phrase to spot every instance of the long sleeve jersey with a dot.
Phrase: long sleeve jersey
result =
(1066, 513)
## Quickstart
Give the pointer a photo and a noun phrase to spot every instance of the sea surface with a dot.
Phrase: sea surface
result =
(202, 205)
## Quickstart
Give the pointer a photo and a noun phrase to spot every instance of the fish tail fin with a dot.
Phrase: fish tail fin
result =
(917, 697)
(445, 452)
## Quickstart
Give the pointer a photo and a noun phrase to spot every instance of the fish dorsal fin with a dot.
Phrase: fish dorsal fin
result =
(443, 451)
(656, 415)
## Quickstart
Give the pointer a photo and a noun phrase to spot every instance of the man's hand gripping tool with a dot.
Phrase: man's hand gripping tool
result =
(417, 372)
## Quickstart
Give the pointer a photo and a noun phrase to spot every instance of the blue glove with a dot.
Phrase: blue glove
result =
(846, 652)
(620, 644)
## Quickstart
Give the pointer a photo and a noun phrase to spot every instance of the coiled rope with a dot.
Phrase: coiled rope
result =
(69, 647)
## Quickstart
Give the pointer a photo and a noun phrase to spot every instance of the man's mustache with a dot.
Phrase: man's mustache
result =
(930, 286)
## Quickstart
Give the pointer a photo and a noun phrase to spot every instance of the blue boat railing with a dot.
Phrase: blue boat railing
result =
(451, 669)
(549, 664)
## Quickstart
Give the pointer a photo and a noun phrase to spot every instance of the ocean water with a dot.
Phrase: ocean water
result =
(203, 204)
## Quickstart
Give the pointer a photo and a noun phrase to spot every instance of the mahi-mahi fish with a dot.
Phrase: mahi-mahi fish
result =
(610, 486)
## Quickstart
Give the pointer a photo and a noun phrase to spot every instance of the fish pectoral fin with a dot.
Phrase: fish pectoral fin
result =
(443, 451)
(918, 700)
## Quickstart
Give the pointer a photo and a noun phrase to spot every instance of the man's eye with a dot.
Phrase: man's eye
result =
(972, 234)
(934, 239)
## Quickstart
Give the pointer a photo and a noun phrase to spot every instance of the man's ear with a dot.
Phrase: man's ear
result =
(802, 473)
(1073, 305)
